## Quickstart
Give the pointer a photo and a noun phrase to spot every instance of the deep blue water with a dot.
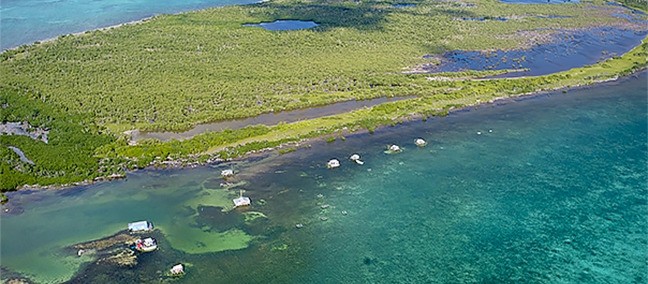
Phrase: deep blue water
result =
(27, 21)
(544, 189)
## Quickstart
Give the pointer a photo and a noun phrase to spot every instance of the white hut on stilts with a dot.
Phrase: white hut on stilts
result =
(242, 200)
(393, 149)
(177, 270)
(334, 163)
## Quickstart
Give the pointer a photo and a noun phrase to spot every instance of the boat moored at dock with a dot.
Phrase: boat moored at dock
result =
(145, 245)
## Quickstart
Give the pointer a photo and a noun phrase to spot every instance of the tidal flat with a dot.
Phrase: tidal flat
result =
(566, 50)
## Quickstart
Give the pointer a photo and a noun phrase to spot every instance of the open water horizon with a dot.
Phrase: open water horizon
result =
(28, 21)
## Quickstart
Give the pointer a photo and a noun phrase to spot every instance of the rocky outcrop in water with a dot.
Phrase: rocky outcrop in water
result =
(123, 257)
(111, 250)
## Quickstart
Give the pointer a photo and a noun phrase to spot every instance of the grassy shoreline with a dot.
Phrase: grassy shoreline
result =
(83, 147)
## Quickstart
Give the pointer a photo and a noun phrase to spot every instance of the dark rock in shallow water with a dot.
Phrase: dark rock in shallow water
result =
(12, 209)
(13, 277)
(368, 260)
(117, 263)
(123, 257)
(117, 240)
(18, 281)
(112, 250)
(215, 218)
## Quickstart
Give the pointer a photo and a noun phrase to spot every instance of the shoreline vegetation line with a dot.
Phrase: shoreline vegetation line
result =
(86, 147)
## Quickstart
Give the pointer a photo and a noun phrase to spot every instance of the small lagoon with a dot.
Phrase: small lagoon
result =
(285, 25)
(265, 119)
(404, 5)
(567, 50)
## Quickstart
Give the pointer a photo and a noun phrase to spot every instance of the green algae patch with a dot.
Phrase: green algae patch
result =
(198, 240)
(191, 235)
(44, 266)
(253, 215)
(280, 247)
(233, 185)
(216, 198)
(39, 255)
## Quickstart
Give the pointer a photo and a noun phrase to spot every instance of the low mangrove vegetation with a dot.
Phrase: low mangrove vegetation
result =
(641, 5)
(235, 143)
(175, 71)
(67, 157)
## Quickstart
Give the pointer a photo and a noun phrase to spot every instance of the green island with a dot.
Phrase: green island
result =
(173, 72)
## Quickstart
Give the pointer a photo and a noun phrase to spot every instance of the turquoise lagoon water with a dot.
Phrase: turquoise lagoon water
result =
(27, 21)
(547, 189)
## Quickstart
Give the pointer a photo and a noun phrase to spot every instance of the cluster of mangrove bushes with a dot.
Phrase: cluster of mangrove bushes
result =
(69, 155)
(234, 143)
(641, 5)
(179, 70)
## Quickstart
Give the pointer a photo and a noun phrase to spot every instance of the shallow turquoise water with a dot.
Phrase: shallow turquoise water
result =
(553, 190)
(555, 193)
(27, 21)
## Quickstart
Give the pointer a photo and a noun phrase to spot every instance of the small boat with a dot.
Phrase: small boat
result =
(140, 226)
(420, 142)
(242, 200)
(146, 245)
